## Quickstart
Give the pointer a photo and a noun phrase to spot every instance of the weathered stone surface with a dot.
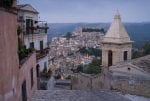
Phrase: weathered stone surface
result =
(77, 95)
(143, 62)
(132, 77)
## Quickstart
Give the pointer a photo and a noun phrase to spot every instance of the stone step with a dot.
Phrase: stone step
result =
(76, 95)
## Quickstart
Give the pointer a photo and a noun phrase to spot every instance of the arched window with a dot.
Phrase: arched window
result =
(110, 58)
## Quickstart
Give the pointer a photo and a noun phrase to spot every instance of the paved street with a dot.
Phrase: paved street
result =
(50, 84)
(77, 95)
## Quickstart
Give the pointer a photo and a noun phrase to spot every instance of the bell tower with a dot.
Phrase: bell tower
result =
(116, 45)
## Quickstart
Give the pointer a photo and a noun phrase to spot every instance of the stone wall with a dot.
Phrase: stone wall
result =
(89, 82)
(25, 75)
(135, 86)
(9, 64)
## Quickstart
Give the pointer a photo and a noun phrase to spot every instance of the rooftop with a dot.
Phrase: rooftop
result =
(138, 68)
(27, 7)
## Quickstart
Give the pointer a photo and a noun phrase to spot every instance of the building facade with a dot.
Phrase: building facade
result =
(34, 34)
(18, 77)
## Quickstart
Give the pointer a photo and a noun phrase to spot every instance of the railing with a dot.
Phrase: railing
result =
(42, 53)
(37, 29)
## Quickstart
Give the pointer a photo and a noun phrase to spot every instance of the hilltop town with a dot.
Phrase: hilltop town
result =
(66, 52)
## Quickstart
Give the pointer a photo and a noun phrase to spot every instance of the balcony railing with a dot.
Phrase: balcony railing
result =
(37, 29)
(42, 53)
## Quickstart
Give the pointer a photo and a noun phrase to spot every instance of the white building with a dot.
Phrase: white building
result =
(34, 33)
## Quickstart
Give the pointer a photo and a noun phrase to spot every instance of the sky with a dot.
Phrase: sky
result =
(91, 11)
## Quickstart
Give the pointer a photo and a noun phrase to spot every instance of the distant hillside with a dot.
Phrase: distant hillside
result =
(139, 32)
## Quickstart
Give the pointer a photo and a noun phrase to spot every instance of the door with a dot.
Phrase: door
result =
(110, 57)
(24, 91)
(37, 70)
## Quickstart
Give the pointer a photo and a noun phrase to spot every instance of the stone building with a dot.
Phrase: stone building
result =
(122, 73)
(18, 80)
(131, 77)
(116, 45)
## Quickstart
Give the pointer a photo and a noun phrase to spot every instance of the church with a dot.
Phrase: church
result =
(123, 73)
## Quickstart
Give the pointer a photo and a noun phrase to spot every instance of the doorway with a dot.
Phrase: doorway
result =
(110, 58)
(24, 91)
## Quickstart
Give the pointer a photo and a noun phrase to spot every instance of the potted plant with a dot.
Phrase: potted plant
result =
(6, 3)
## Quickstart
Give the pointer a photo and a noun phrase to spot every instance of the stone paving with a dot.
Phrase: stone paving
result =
(77, 95)
(51, 82)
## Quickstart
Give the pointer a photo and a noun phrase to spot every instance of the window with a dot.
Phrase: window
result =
(29, 25)
(32, 81)
(41, 45)
(45, 67)
(125, 55)
(45, 64)
(32, 45)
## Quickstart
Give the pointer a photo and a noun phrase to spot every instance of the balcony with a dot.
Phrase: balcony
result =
(24, 54)
(37, 29)
(42, 53)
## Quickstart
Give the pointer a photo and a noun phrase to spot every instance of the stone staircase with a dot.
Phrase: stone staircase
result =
(76, 95)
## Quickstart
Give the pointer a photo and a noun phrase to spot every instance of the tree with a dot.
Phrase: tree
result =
(93, 69)
(96, 62)
(80, 68)
(146, 48)
(68, 35)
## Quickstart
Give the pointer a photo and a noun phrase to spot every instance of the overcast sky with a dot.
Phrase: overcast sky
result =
(72, 11)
